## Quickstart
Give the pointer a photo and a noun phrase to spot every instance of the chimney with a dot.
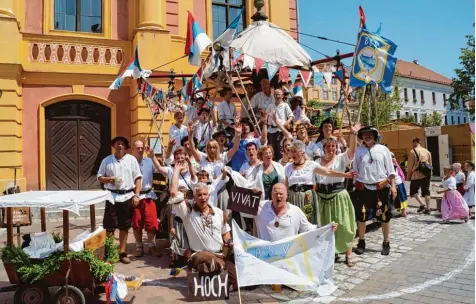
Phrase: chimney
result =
(415, 61)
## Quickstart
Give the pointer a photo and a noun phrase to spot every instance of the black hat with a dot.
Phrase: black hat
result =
(328, 120)
(246, 120)
(367, 130)
(126, 142)
(218, 133)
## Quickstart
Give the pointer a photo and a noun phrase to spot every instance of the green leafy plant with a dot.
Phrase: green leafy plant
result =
(111, 250)
(15, 256)
(30, 272)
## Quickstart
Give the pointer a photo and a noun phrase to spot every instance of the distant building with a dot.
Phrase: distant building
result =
(424, 91)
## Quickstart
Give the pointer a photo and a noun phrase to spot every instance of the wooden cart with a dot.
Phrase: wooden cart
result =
(73, 276)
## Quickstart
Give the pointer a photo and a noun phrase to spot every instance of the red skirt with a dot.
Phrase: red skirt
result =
(460, 188)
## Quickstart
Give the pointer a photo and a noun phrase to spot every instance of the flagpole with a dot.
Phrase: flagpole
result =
(360, 105)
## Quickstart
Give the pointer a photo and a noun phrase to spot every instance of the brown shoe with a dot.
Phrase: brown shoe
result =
(124, 258)
(139, 252)
(152, 251)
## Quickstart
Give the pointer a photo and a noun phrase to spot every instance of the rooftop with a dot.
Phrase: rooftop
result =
(414, 70)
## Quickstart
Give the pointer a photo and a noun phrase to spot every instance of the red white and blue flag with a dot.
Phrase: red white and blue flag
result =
(197, 41)
(133, 70)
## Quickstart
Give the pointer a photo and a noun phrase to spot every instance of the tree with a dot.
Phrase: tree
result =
(432, 120)
(316, 113)
(387, 105)
(463, 83)
(436, 119)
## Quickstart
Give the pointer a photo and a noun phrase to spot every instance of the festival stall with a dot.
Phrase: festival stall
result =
(48, 260)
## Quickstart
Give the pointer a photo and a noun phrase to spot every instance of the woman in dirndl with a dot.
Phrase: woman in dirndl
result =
(300, 181)
(335, 204)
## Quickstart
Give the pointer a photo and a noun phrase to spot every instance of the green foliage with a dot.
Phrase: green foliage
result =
(111, 251)
(387, 105)
(463, 83)
(30, 273)
(15, 256)
(432, 120)
(317, 118)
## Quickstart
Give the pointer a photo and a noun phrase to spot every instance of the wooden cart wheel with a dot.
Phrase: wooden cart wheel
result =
(75, 296)
(32, 294)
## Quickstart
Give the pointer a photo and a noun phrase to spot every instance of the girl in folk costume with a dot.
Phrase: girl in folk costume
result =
(400, 201)
(335, 204)
(469, 185)
(453, 206)
(459, 177)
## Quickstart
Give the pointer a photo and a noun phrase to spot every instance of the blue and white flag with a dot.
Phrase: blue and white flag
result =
(228, 35)
(318, 77)
(133, 70)
(272, 69)
(184, 88)
(293, 74)
(373, 61)
(304, 262)
(297, 92)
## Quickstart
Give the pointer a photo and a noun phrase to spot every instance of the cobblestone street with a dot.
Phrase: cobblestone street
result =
(430, 262)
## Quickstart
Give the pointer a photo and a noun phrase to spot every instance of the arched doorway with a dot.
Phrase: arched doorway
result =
(77, 134)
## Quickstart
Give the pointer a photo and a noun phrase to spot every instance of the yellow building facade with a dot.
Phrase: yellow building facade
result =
(57, 115)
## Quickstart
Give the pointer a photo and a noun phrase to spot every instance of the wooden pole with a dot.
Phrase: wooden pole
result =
(43, 219)
(375, 101)
(66, 231)
(92, 215)
(248, 101)
(360, 105)
(15, 191)
(246, 95)
(9, 226)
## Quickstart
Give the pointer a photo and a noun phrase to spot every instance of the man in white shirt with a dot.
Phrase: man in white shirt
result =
(248, 167)
(178, 130)
(227, 111)
(145, 213)
(120, 174)
(373, 184)
(206, 227)
(284, 115)
(205, 128)
(278, 219)
(263, 99)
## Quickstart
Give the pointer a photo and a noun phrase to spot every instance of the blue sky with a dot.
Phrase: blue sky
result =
(431, 31)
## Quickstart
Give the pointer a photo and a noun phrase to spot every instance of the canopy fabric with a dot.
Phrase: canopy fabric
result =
(70, 200)
(268, 42)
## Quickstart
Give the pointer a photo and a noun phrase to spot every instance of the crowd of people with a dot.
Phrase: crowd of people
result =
(304, 183)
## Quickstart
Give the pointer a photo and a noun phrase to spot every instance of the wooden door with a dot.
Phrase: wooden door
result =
(78, 135)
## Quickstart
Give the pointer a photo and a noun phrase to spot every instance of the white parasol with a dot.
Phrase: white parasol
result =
(268, 42)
